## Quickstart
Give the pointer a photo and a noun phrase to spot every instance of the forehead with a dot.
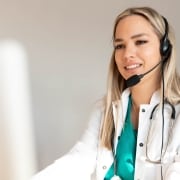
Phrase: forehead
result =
(133, 24)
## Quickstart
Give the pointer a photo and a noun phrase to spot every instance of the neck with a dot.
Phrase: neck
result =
(142, 92)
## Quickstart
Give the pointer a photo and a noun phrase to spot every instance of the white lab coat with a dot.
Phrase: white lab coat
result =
(89, 161)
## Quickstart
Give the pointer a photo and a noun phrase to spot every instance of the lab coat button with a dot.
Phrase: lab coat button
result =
(104, 167)
(143, 110)
(141, 144)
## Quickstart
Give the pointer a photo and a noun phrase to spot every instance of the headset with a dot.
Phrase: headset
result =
(165, 45)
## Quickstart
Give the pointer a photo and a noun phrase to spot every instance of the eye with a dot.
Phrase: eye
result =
(119, 46)
(141, 42)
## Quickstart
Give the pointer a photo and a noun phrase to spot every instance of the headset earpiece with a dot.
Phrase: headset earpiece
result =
(165, 45)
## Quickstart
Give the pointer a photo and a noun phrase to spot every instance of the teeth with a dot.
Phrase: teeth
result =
(132, 66)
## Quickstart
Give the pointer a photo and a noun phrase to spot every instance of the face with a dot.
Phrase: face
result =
(136, 47)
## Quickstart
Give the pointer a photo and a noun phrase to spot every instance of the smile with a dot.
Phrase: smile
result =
(133, 66)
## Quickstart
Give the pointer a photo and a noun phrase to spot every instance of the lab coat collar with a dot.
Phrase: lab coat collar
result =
(120, 110)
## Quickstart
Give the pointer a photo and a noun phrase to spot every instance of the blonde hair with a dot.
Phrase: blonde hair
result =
(116, 83)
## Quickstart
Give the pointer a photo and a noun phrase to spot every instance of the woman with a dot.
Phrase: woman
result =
(134, 132)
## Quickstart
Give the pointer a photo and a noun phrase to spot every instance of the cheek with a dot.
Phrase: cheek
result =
(118, 61)
(152, 53)
(118, 58)
(150, 57)
(119, 64)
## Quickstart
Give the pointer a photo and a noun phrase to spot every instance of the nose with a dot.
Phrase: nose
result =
(129, 51)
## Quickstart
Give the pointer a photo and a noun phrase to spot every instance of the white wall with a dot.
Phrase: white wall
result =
(69, 47)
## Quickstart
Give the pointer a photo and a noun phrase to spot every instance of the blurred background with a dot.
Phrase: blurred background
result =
(54, 57)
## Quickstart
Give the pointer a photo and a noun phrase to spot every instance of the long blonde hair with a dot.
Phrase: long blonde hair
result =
(116, 83)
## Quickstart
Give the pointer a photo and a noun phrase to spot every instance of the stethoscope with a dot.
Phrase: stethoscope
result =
(148, 158)
(171, 124)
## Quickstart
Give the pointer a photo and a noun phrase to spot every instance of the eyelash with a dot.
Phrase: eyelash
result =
(138, 42)
(119, 46)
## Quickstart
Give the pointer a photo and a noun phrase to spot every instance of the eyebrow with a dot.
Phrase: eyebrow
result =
(132, 37)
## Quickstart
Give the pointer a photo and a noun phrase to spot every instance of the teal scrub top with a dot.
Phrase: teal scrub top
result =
(125, 151)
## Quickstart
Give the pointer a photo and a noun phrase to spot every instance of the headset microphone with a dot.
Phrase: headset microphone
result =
(133, 80)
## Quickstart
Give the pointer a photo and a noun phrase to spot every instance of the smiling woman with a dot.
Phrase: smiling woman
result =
(134, 131)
